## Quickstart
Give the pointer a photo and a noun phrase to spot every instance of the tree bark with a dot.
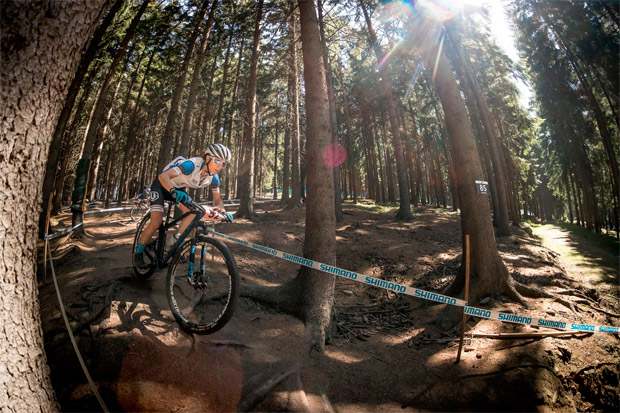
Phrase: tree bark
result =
(404, 211)
(230, 183)
(93, 126)
(292, 116)
(489, 275)
(246, 167)
(41, 47)
(320, 238)
(130, 143)
(332, 112)
(167, 140)
(503, 223)
(195, 83)
(52, 170)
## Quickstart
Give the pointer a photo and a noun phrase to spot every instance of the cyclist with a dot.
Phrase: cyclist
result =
(146, 191)
(171, 185)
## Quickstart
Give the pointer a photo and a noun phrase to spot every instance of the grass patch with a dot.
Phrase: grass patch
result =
(375, 207)
(602, 241)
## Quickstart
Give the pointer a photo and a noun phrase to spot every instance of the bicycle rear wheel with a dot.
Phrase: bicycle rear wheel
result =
(150, 251)
(204, 301)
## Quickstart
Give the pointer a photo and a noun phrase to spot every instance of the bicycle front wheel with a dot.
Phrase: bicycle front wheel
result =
(138, 211)
(203, 286)
(135, 213)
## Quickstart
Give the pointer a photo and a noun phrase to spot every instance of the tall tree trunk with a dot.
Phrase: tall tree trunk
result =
(510, 174)
(349, 141)
(332, 113)
(568, 195)
(292, 116)
(391, 185)
(130, 143)
(286, 162)
(598, 115)
(503, 222)
(275, 152)
(91, 132)
(100, 137)
(52, 171)
(230, 183)
(489, 275)
(67, 142)
(320, 237)
(220, 106)
(195, 83)
(167, 140)
(32, 102)
(404, 211)
(246, 169)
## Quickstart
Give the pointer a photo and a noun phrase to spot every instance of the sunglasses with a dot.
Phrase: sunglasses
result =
(219, 162)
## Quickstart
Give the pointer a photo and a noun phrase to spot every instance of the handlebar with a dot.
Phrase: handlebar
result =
(206, 212)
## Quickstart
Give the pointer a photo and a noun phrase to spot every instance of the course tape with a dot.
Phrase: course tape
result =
(60, 234)
(99, 211)
(426, 295)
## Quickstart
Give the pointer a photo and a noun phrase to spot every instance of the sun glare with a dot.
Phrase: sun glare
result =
(435, 10)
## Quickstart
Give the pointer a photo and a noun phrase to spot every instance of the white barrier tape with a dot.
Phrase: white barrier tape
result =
(70, 331)
(99, 211)
(94, 211)
(60, 234)
(426, 295)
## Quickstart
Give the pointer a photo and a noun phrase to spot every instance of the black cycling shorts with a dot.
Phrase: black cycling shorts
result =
(159, 194)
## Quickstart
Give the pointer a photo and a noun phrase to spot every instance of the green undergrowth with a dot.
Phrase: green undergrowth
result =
(602, 241)
(364, 206)
(582, 253)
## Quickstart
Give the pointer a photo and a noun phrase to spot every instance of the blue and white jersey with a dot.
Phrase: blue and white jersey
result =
(190, 175)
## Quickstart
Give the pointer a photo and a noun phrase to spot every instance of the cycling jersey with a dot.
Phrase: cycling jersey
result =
(190, 175)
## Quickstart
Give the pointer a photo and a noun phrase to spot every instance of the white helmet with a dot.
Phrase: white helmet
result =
(218, 151)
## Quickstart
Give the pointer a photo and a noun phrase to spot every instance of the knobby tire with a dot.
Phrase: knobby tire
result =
(144, 273)
(211, 304)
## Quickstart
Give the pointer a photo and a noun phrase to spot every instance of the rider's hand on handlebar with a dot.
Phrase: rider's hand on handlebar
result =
(214, 215)
(180, 196)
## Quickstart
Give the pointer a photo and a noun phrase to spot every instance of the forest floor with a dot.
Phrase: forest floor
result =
(387, 352)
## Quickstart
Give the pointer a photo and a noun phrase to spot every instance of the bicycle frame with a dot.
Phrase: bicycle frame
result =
(164, 256)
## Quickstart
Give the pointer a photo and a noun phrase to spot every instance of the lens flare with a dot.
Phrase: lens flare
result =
(437, 10)
(334, 155)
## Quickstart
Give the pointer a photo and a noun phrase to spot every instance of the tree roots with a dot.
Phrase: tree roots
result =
(533, 292)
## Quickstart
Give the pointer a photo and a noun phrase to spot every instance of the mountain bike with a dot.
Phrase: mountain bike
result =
(202, 285)
(139, 208)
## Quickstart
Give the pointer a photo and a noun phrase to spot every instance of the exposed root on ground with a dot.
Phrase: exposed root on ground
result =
(533, 292)
(279, 297)
(259, 394)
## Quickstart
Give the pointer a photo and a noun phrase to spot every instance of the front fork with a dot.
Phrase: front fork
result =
(192, 255)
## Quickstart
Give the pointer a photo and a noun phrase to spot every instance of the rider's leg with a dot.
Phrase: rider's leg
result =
(156, 219)
(185, 221)
(145, 237)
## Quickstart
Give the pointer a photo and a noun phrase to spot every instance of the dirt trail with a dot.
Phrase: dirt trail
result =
(387, 352)
(580, 258)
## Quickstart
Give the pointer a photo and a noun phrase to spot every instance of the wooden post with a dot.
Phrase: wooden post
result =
(458, 356)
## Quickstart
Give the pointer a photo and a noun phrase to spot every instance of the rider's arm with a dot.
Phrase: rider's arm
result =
(218, 203)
